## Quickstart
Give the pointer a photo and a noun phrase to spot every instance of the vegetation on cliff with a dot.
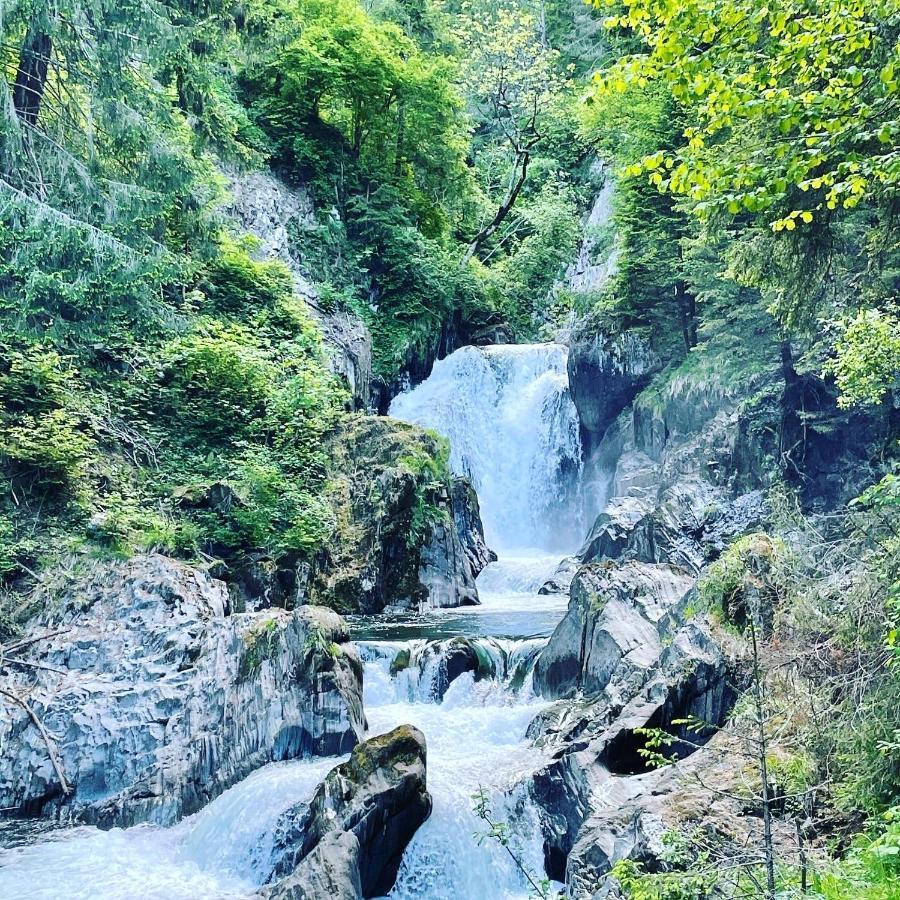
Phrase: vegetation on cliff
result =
(164, 388)
(160, 386)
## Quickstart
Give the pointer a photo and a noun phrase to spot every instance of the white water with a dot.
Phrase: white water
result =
(221, 852)
(514, 430)
(476, 738)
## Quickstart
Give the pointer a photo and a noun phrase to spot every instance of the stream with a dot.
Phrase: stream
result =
(514, 432)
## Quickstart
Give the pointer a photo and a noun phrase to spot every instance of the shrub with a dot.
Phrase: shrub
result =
(236, 283)
(215, 381)
(47, 449)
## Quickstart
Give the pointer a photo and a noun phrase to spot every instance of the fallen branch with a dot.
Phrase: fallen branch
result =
(31, 665)
(27, 642)
(51, 746)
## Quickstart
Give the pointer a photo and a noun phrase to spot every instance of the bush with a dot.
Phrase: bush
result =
(48, 449)
(236, 284)
(215, 382)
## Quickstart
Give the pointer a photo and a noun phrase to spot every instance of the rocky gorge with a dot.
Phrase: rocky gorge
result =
(144, 695)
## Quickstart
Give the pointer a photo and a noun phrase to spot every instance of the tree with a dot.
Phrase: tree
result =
(512, 76)
(793, 104)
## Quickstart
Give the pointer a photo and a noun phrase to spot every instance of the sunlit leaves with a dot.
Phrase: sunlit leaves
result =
(867, 357)
(783, 96)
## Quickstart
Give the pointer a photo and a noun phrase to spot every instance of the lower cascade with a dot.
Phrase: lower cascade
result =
(462, 676)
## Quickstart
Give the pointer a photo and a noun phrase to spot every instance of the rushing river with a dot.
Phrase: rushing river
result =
(514, 431)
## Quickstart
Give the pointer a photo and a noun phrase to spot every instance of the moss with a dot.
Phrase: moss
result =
(261, 641)
(402, 747)
(400, 662)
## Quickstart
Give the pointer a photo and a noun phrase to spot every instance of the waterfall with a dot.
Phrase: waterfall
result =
(463, 676)
(514, 431)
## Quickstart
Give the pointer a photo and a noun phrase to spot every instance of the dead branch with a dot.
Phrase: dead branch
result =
(51, 746)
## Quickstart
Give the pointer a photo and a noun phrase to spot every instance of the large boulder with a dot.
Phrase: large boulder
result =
(409, 536)
(614, 623)
(379, 796)
(626, 657)
(149, 699)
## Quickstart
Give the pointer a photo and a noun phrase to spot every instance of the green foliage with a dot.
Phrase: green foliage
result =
(723, 582)
(867, 359)
(234, 283)
(821, 76)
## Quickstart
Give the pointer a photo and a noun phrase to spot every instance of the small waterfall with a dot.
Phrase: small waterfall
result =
(462, 676)
(514, 431)
(476, 739)
(423, 671)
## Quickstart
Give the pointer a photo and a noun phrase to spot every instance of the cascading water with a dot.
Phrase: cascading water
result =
(514, 430)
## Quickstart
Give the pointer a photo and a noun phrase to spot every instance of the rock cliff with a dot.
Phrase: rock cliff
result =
(146, 698)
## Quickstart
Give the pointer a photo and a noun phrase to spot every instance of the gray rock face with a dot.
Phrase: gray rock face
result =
(597, 256)
(605, 375)
(157, 699)
(616, 620)
(268, 209)
(624, 659)
(455, 554)
(379, 797)
(689, 524)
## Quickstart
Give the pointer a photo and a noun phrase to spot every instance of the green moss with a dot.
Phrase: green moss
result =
(261, 641)
(400, 662)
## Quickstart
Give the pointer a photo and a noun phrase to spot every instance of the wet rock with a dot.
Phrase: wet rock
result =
(455, 554)
(162, 699)
(442, 662)
(329, 872)
(561, 580)
(379, 797)
(612, 624)
(606, 372)
(469, 528)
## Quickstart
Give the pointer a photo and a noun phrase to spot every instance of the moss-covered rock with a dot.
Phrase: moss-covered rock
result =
(407, 534)
(379, 796)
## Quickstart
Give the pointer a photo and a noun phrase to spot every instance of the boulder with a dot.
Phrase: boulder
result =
(612, 626)
(155, 699)
(409, 537)
(379, 797)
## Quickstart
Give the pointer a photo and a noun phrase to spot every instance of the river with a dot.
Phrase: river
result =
(514, 431)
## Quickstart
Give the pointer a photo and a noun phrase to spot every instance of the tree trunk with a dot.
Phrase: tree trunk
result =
(520, 173)
(687, 307)
(762, 748)
(31, 77)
